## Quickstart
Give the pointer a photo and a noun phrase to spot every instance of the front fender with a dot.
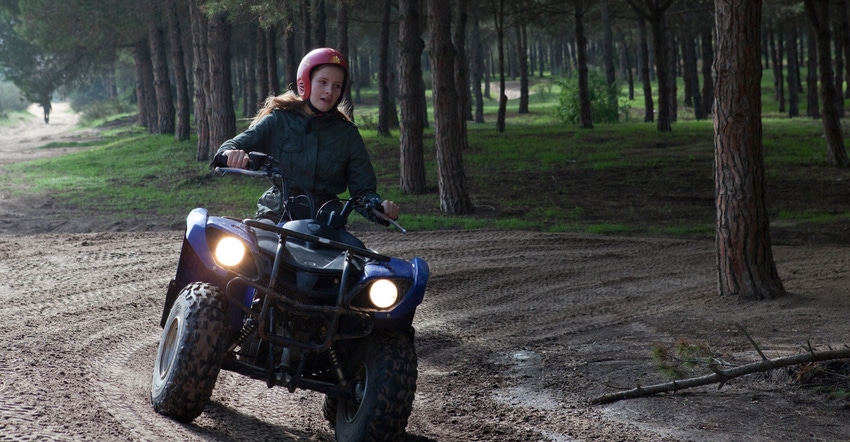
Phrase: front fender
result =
(197, 224)
(196, 257)
(416, 270)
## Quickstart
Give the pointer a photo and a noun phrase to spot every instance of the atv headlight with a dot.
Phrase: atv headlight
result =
(229, 251)
(383, 293)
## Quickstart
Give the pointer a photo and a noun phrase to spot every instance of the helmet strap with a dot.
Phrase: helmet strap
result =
(316, 111)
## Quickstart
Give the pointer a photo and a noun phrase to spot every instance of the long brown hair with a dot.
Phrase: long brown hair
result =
(290, 101)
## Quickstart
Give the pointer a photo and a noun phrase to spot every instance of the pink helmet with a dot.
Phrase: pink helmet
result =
(313, 60)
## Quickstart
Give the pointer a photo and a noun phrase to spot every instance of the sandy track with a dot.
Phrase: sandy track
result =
(513, 341)
(518, 330)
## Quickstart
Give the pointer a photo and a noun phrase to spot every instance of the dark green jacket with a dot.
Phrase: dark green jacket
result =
(325, 155)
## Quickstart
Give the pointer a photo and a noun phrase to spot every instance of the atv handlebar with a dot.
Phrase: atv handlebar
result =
(375, 209)
(313, 238)
(254, 173)
(261, 165)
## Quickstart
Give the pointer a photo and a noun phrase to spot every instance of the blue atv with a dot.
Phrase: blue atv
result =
(290, 304)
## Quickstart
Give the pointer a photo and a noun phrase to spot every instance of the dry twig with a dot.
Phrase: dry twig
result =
(721, 376)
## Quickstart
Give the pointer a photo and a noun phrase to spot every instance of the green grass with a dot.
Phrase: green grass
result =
(133, 173)
(132, 176)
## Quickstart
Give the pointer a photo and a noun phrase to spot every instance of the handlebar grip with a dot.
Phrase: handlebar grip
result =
(236, 170)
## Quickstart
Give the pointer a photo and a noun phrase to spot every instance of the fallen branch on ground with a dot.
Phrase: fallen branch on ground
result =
(721, 376)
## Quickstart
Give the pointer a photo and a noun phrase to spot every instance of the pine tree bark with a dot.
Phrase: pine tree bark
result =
(793, 69)
(585, 111)
(836, 153)
(343, 47)
(477, 71)
(607, 43)
(745, 264)
(272, 79)
(222, 118)
(461, 65)
(321, 25)
(178, 66)
(654, 12)
(145, 95)
(812, 102)
(290, 55)
(306, 35)
(161, 81)
(643, 62)
(450, 174)
(384, 100)
(262, 64)
(200, 63)
(522, 49)
(411, 105)
(707, 58)
(499, 21)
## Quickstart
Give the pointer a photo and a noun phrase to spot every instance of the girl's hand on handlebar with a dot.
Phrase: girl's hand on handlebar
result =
(391, 209)
(237, 158)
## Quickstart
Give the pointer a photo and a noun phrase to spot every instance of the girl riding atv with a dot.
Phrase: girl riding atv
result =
(314, 141)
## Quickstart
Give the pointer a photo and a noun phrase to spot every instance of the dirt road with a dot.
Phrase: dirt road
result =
(26, 140)
(517, 332)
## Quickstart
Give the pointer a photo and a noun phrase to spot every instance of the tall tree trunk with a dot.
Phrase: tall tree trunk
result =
(384, 101)
(745, 264)
(343, 47)
(838, 38)
(262, 63)
(626, 64)
(321, 25)
(273, 79)
(200, 73)
(290, 57)
(793, 60)
(477, 71)
(461, 71)
(161, 80)
(178, 66)
(707, 59)
(499, 20)
(689, 65)
(585, 111)
(836, 153)
(461, 66)
(412, 106)
(522, 50)
(649, 107)
(145, 95)
(844, 14)
(655, 13)
(451, 177)
(250, 97)
(306, 43)
(607, 43)
(812, 101)
(222, 119)
(777, 55)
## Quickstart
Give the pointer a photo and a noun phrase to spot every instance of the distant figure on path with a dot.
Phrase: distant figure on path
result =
(47, 108)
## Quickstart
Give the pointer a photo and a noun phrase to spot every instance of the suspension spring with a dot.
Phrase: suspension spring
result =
(337, 366)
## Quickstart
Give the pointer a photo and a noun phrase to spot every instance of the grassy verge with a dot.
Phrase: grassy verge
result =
(539, 175)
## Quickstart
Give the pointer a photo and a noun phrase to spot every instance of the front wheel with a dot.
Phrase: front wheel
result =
(190, 353)
(382, 373)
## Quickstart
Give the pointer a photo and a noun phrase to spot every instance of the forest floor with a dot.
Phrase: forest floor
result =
(518, 332)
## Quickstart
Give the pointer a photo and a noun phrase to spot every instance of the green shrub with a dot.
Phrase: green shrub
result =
(604, 105)
(103, 109)
(10, 98)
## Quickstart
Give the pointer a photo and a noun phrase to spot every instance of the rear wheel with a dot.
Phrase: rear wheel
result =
(382, 373)
(190, 353)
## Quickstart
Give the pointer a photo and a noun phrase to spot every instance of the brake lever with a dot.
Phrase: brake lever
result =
(381, 216)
